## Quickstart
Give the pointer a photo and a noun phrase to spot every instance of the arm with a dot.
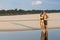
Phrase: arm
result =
(41, 16)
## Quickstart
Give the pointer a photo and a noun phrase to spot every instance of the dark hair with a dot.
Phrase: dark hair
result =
(41, 13)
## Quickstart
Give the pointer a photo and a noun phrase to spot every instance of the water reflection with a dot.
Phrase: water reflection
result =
(44, 35)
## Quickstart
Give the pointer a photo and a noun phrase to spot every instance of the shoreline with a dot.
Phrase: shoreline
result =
(26, 29)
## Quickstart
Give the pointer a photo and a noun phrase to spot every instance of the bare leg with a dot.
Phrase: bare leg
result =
(47, 28)
(42, 26)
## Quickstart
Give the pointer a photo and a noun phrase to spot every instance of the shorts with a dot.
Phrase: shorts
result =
(45, 22)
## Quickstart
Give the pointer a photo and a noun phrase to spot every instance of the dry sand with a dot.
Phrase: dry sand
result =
(27, 22)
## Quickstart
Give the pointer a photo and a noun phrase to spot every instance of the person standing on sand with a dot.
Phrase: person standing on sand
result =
(45, 17)
(42, 21)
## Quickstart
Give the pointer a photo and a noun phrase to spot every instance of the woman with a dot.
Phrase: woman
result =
(42, 21)
(45, 21)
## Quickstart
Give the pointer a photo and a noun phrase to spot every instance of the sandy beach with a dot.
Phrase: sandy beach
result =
(27, 22)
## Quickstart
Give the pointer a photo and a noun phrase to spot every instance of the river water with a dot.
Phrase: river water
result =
(53, 34)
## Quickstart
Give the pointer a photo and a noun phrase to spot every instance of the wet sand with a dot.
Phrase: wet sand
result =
(27, 22)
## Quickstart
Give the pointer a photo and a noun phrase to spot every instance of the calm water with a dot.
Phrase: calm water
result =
(53, 34)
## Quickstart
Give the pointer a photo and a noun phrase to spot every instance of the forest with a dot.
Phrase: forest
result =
(23, 12)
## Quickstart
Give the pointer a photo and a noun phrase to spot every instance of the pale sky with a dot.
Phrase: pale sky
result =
(30, 4)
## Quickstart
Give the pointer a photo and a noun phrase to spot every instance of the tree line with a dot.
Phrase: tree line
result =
(23, 12)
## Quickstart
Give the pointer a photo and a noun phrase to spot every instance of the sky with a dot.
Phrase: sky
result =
(30, 4)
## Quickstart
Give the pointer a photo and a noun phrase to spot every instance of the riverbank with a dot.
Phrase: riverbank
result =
(28, 22)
